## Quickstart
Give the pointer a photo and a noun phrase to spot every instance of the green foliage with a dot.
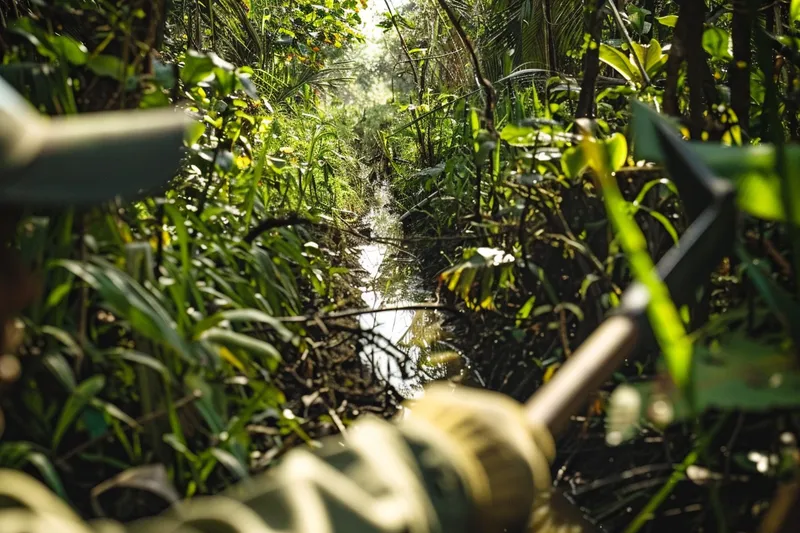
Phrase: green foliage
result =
(483, 267)
(651, 58)
(582, 219)
(664, 317)
(169, 331)
(159, 335)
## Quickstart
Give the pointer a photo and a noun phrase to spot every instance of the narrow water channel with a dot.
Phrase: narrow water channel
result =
(408, 347)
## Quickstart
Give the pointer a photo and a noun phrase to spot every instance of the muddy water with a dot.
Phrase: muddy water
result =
(408, 348)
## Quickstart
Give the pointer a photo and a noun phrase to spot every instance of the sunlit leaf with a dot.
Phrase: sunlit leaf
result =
(617, 147)
(668, 20)
(717, 42)
(516, 135)
(483, 262)
(654, 58)
(617, 60)
(70, 49)
(573, 162)
(661, 311)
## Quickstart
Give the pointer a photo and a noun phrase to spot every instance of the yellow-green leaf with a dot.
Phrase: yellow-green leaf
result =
(617, 147)
(620, 62)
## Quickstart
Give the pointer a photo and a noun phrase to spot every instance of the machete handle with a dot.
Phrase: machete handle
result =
(583, 373)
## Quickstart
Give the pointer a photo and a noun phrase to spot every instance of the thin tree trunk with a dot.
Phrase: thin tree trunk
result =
(742, 26)
(552, 58)
(688, 44)
(671, 105)
(650, 5)
(591, 60)
(696, 64)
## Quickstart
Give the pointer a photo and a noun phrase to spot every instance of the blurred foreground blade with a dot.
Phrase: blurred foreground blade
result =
(84, 159)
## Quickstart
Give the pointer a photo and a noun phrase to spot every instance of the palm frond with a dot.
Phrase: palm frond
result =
(520, 25)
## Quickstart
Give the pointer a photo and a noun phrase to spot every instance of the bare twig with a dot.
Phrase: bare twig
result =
(626, 35)
(302, 319)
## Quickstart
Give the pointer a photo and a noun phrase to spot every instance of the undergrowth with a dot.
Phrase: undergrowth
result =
(189, 328)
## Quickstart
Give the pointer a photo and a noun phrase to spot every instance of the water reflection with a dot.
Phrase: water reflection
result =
(409, 347)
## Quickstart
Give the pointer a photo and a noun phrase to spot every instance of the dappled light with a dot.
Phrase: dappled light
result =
(395, 265)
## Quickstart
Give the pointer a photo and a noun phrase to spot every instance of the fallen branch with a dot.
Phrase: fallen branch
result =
(303, 319)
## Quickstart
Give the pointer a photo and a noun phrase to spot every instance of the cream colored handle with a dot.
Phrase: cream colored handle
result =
(587, 369)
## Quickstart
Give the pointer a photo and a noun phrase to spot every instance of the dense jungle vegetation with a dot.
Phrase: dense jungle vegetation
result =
(212, 325)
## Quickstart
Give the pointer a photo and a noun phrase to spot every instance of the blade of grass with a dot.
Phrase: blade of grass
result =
(678, 475)
(662, 312)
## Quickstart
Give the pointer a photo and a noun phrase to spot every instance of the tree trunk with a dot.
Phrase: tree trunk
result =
(591, 60)
(688, 44)
(671, 105)
(742, 26)
(552, 58)
(696, 64)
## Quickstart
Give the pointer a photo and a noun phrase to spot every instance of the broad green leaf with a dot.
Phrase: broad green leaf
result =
(78, 400)
(794, 11)
(735, 373)
(35, 35)
(519, 135)
(197, 67)
(654, 59)
(108, 66)
(668, 20)
(617, 60)
(247, 85)
(638, 18)
(640, 52)
(69, 49)
(617, 147)
(194, 132)
(717, 42)
(573, 162)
